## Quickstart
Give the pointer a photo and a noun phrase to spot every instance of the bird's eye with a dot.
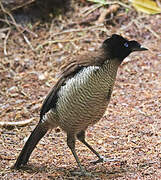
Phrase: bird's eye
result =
(126, 44)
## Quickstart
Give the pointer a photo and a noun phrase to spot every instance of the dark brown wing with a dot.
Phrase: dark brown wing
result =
(69, 70)
(51, 99)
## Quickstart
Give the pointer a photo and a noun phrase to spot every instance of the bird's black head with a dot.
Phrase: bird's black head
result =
(120, 47)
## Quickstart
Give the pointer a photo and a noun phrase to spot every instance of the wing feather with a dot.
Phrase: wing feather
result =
(96, 58)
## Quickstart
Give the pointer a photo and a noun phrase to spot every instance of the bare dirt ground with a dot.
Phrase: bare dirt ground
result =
(131, 128)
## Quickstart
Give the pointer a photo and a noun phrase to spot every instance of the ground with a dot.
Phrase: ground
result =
(130, 129)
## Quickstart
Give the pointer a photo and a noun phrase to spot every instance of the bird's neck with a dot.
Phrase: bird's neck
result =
(109, 69)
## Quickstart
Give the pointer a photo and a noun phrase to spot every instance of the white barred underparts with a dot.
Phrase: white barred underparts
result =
(83, 99)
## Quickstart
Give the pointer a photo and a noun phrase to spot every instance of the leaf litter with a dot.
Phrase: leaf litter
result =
(131, 127)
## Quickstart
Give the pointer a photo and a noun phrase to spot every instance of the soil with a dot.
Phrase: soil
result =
(30, 60)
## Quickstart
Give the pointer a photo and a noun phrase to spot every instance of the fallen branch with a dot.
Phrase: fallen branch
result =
(19, 123)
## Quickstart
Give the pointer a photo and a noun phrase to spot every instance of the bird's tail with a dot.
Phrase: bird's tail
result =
(39, 131)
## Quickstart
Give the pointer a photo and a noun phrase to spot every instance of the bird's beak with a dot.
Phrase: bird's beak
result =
(139, 49)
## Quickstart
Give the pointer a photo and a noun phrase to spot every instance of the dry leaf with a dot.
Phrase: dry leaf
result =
(146, 6)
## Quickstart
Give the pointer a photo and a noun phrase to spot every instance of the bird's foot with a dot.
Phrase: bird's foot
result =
(81, 173)
(103, 159)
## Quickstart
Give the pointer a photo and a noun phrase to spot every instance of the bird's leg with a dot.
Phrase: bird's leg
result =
(81, 138)
(71, 145)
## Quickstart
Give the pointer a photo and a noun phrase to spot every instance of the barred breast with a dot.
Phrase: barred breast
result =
(82, 101)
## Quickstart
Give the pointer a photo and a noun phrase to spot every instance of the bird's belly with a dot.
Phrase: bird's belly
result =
(80, 108)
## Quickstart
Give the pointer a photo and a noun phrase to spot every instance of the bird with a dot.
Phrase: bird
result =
(80, 96)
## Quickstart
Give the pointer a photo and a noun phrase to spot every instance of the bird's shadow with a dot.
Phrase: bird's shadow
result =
(95, 171)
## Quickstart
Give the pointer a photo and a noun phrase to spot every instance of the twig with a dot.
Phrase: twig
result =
(4, 29)
(58, 41)
(19, 123)
(93, 9)
(28, 42)
(121, 4)
(128, 25)
(153, 32)
(78, 30)
(5, 42)
(147, 27)
(16, 25)
(10, 15)
(106, 3)
(112, 9)
(23, 29)
(115, 2)
(23, 4)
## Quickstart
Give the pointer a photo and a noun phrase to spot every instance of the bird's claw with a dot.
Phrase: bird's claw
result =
(103, 159)
(80, 173)
(97, 161)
